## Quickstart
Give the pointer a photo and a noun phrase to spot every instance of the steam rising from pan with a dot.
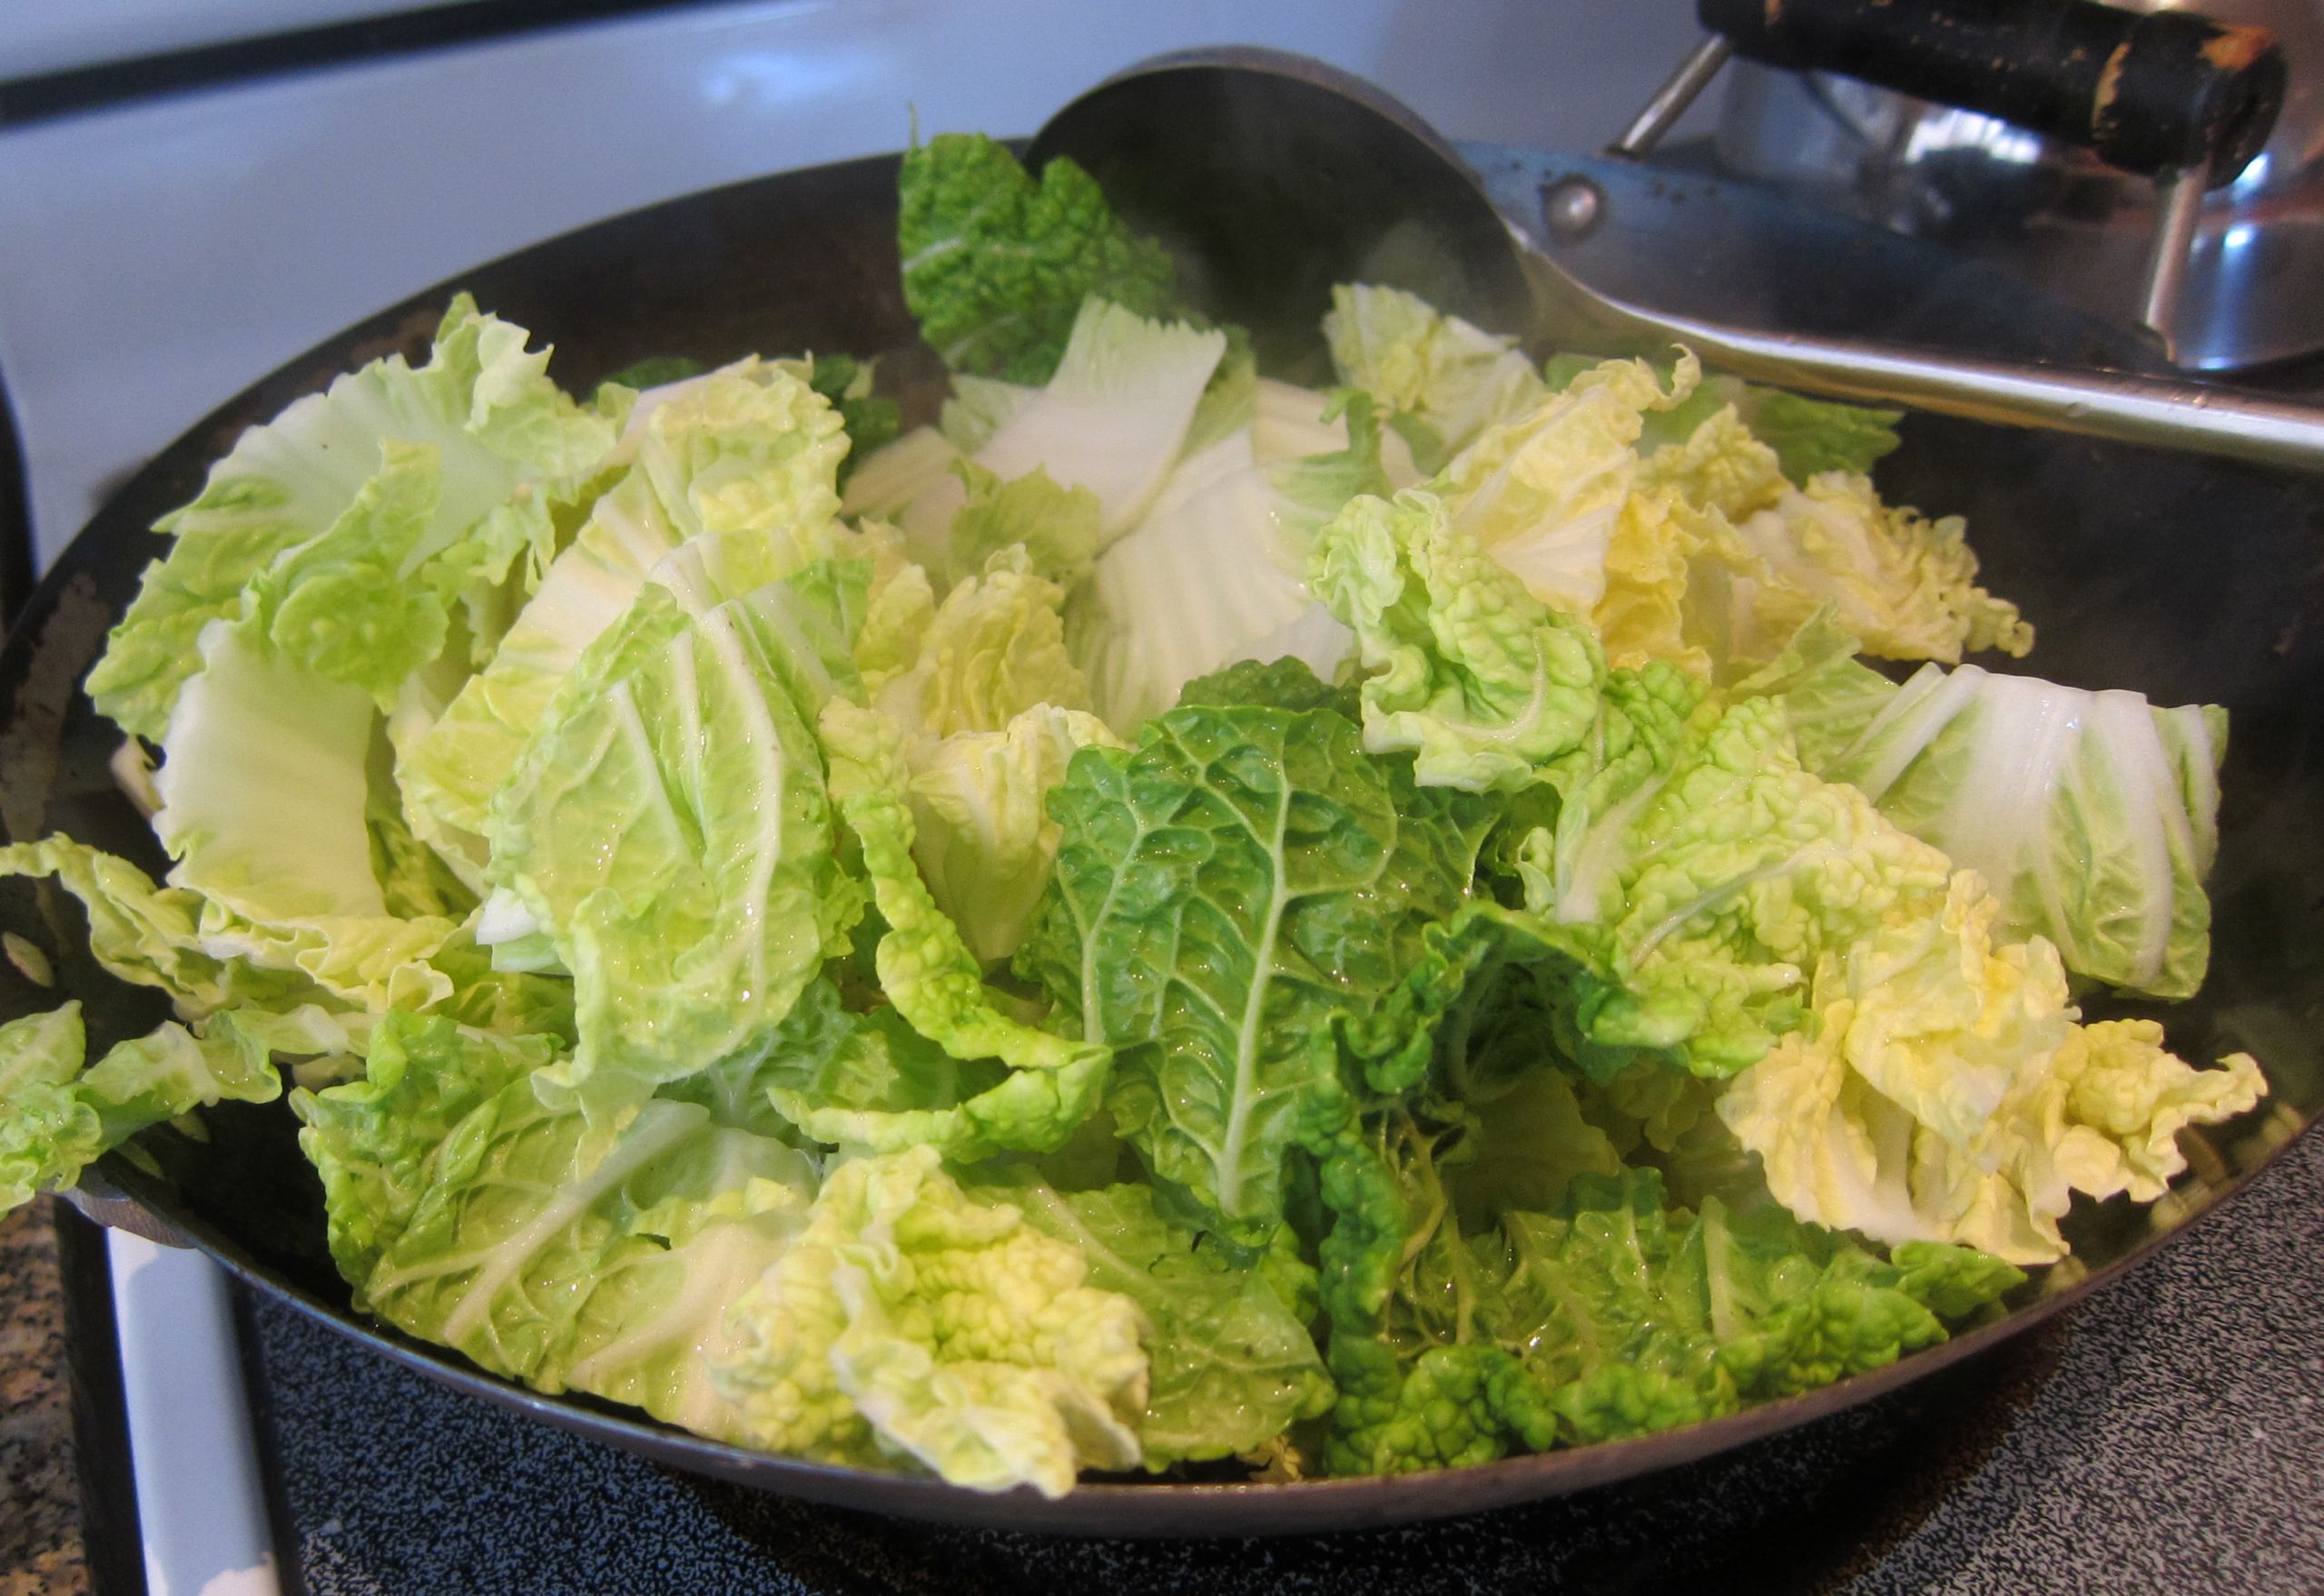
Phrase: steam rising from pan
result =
(1263, 213)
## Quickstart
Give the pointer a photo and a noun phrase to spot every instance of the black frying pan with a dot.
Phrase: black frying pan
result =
(2185, 579)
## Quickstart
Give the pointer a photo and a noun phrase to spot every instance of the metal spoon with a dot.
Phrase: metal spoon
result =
(1272, 176)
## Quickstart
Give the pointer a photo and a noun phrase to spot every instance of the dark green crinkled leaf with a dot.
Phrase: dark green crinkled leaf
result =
(1810, 435)
(1616, 1314)
(996, 264)
(1282, 684)
(1445, 1411)
(1223, 893)
(871, 1082)
(870, 420)
(653, 371)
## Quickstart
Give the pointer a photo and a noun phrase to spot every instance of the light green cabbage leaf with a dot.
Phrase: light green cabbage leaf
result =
(166, 937)
(1943, 1091)
(1443, 379)
(1695, 879)
(275, 785)
(1542, 491)
(1230, 1365)
(909, 1320)
(925, 967)
(1906, 585)
(749, 451)
(982, 831)
(1218, 571)
(1117, 413)
(451, 468)
(1057, 526)
(604, 1259)
(1828, 696)
(666, 824)
(370, 1138)
(1720, 466)
(1902, 584)
(892, 477)
(2094, 815)
(59, 1113)
(1289, 422)
(266, 797)
(977, 408)
(994, 648)
(1467, 670)
(1805, 436)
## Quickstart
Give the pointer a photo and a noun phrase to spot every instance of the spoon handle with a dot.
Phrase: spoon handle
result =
(2162, 411)
(2126, 408)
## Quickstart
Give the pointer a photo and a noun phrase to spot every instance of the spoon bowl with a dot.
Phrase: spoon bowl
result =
(1269, 177)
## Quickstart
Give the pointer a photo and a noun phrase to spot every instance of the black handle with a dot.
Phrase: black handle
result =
(2151, 91)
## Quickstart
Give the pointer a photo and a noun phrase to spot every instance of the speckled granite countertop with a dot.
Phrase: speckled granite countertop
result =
(40, 1516)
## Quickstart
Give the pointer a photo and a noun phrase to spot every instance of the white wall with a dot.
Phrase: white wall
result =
(53, 35)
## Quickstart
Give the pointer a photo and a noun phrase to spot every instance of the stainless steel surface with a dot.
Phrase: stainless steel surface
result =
(1573, 209)
(2253, 292)
(2119, 405)
(2181, 198)
(1132, 132)
(1671, 100)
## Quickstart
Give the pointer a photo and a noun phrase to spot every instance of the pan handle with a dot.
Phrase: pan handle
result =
(2153, 93)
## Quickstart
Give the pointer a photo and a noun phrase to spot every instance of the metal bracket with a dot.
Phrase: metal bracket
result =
(2179, 205)
(1671, 100)
(104, 1203)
